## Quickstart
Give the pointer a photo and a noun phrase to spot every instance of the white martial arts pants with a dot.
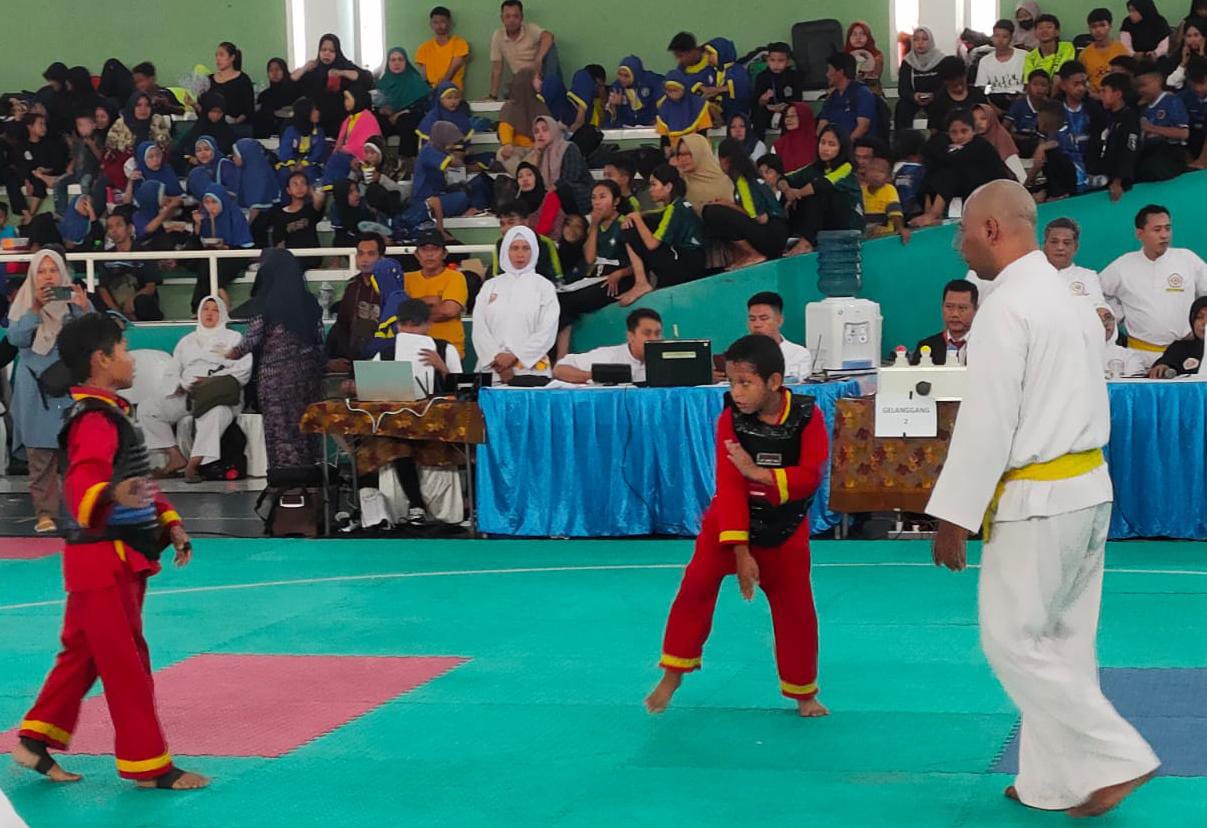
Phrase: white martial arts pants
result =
(1040, 593)
(158, 417)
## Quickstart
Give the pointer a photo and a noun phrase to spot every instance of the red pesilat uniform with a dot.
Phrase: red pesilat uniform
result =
(773, 520)
(106, 580)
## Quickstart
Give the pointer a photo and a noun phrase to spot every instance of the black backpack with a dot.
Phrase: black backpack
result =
(232, 460)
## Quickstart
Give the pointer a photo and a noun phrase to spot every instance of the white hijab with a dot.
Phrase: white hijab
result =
(505, 253)
(208, 336)
(52, 314)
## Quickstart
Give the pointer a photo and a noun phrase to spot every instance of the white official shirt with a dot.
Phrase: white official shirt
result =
(1118, 362)
(1083, 283)
(407, 347)
(1154, 297)
(607, 355)
(517, 314)
(1035, 391)
(798, 362)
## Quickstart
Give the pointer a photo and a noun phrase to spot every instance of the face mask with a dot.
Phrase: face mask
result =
(1027, 24)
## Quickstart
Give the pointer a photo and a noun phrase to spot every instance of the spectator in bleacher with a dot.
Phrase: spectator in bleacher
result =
(35, 319)
(1117, 361)
(280, 94)
(1026, 12)
(163, 102)
(1097, 56)
(909, 171)
(259, 188)
(286, 334)
(1151, 290)
(1022, 119)
(545, 212)
(1194, 98)
(200, 381)
(448, 105)
(989, 127)
(222, 223)
(824, 195)
(515, 214)
(212, 123)
(444, 56)
(235, 87)
(959, 162)
(324, 80)
(153, 207)
(384, 194)
(360, 126)
(129, 287)
(358, 310)
(633, 98)
(405, 97)
(882, 212)
(295, 222)
(150, 166)
(1114, 155)
(733, 81)
(960, 300)
(1184, 356)
(586, 97)
(515, 318)
(562, 165)
(1145, 32)
(765, 316)
(117, 83)
(1000, 73)
(432, 199)
(955, 94)
(1125, 64)
(348, 211)
(643, 325)
(303, 146)
(776, 88)
(849, 104)
(1057, 158)
(771, 170)
(570, 248)
(797, 144)
(705, 180)
(607, 258)
(673, 251)
(918, 77)
(739, 128)
(212, 167)
(1051, 53)
(1164, 127)
(869, 60)
(1084, 115)
(34, 162)
(700, 76)
(517, 117)
(84, 166)
(79, 228)
(53, 96)
(1198, 11)
(620, 169)
(1062, 238)
(751, 220)
(523, 45)
(1194, 45)
(680, 112)
(441, 288)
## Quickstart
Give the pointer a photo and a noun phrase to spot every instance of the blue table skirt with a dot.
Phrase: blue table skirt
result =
(1158, 459)
(605, 462)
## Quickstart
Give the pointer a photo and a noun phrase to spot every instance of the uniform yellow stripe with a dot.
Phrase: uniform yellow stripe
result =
(1141, 345)
(787, 407)
(781, 483)
(664, 224)
(144, 765)
(681, 663)
(798, 689)
(120, 549)
(734, 535)
(57, 733)
(88, 503)
(746, 198)
(171, 515)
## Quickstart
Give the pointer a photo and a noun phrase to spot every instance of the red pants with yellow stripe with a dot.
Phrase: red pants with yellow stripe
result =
(784, 579)
(102, 635)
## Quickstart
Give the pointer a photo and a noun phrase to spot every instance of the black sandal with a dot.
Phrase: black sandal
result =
(45, 760)
(167, 780)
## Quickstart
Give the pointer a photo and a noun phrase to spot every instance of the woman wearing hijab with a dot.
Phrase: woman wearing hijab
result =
(36, 316)
(325, 78)
(153, 206)
(405, 96)
(222, 225)
(1026, 12)
(448, 105)
(515, 318)
(280, 94)
(199, 359)
(740, 129)
(706, 182)
(989, 127)
(517, 117)
(79, 228)
(1184, 356)
(869, 61)
(258, 185)
(286, 333)
(1192, 46)
(431, 197)
(797, 144)
(212, 123)
(117, 82)
(1144, 31)
(303, 146)
(137, 124)
(679, 111)
(956, 164)
(149, 159)
(752, 220)
(826, 194)
(633, 100)
(562, 165)
(545, 212)
(358, 128)
(918, 77)
(667, 244)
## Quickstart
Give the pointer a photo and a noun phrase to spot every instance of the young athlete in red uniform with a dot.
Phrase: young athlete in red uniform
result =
(771, 454)
(120, 526)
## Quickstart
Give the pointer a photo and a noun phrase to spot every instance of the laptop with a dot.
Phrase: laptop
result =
(671, 363)
(384, 381)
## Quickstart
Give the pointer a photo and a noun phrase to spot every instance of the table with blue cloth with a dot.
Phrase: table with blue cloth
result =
(607, 462)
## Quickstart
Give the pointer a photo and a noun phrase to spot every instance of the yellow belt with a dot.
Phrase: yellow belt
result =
(1141, 345)
(1064, 467)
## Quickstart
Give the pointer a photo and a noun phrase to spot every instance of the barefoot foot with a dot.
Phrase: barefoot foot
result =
(27, 758)
(811, 708)
(801, 248)
(633, 294)
(1105, 799)
(660, 697)
(185, 781)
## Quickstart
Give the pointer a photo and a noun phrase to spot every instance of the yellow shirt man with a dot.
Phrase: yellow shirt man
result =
(436, 59)
(1097, 62)
(447, 285)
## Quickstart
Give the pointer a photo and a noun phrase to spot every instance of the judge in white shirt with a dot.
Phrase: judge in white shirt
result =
(515, 318)
(1151, 289)
(644, 325)
(1062, 238)
(765, 315)
(1026, 460)
(1117, 362)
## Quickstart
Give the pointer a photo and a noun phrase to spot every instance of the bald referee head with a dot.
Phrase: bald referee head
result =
(998, 227)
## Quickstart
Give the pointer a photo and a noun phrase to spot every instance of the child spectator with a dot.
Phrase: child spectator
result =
(1052, 52)
(753, 223)
(85, 165)
(1023, 118)
(448, 105)
(1098, 55)
(1117, 149)
(1000, 73)
(444, 56)
(681, 112)
(1056, 158)
(405, 98)
(776, 88)
(149, 166)
(34, 162)
(633, 99)
(797, 144)
(771, 170)
(668, 243)
(1126, 64)
(295, 223)
(383, 193)
(824, 195)
(1194, 98)
(621, 170)
(280, 94)
(1164, 127)
(733, 81)
(990, 128)
(586, 97)
(869, 61)
(258, 186)
(698, 71)
(955, 93)
(303, 146)
(1025, 14)
(1145, 32)
(918, 77)
(882, 212)
(360, 126)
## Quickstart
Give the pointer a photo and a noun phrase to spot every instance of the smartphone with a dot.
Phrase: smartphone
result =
(61, 294)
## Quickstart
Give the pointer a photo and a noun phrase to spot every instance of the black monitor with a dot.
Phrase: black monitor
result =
(671, 363)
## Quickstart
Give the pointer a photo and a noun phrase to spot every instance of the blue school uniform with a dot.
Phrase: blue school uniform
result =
(230, 224)
(682, 117)
(73, 227)
(305, 153)
(556, 97)
(737, 87)
(638, 102)
(697, 75)
(1023, 116)
(1067, 142)
(583, 94)
(907, 178)
(459, 116)
(165, 174)
(1166, 111)
(148, 198)
(1078, 122)
(258, 187)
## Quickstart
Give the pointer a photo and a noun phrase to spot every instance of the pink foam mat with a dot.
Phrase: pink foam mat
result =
(28, 549)
(262, 705)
